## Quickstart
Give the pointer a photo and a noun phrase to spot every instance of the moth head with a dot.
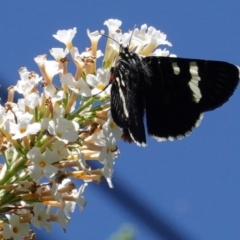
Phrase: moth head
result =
(124, 51)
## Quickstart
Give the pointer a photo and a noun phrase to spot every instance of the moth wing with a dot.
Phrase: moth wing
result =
(180, 90)
(127, 106)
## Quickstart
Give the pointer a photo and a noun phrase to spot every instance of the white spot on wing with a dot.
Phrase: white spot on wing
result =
(193, 83)
(159, 139)
(123, 98)
(176, 69)
(199, 120)
(238, 70)
(143, 144)
(122, 82)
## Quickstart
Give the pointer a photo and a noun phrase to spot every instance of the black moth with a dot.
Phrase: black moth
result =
(172, 92)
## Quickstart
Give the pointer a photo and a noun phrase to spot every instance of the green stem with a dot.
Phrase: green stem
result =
(85, 105)
(13, 170)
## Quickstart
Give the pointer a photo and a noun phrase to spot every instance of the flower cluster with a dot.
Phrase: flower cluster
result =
(50, 136)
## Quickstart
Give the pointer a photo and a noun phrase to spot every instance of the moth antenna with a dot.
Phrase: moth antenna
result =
(132, 35)
(102, 90)
(104, 35)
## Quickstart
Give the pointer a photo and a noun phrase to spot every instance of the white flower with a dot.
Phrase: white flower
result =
(60, 149)
(94, 36)
(148, 38)
(49, 67)
(58, 96)
(59, 53)
(50, 90)
(55, 193)
(112, 47)
(23, 127)
(113, 25)
(69, 207)
(89, 54)
(107, 173)
(28, 81)
(59, 111)
(80, 200)
(42, 163)
(76, 56)
(111, 128)
(3, 117)
(99, 82)
(151, 35)
(15, 229)
(41, 215)
(109, 150)
(61, 218)
(80, 87)
(81, 161)
(24, 186)
(160, 53)
(32, 100)
(107, 156)
(66, 36)
(64, 130)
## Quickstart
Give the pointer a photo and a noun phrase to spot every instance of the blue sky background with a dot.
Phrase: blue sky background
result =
(192, 185)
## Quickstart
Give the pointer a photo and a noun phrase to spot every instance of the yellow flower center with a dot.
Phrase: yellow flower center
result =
(112, 124)
(100, 86)
(23, 130)
(42, 163)
(109, 150)
(39, 218)
(59, 134)
(15, 229)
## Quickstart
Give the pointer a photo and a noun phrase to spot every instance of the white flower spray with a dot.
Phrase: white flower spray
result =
(49, 137)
